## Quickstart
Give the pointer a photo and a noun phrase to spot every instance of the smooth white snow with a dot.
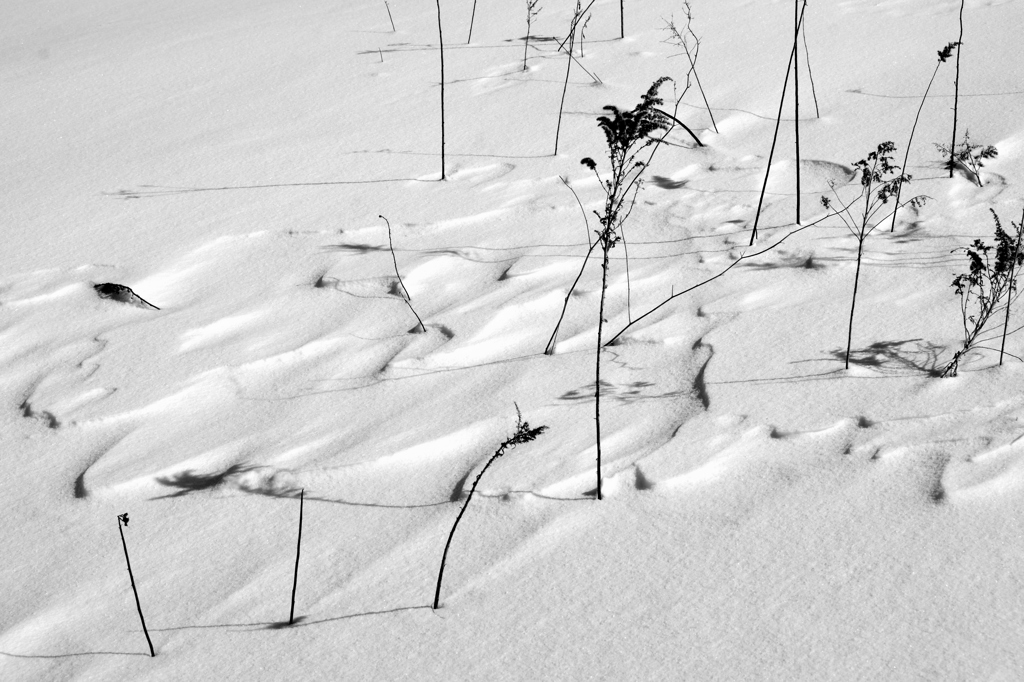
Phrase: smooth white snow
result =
(767, 514)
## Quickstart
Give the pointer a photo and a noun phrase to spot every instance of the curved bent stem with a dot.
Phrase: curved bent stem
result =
(709, 279)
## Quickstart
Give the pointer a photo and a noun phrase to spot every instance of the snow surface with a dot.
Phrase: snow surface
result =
(767, 514)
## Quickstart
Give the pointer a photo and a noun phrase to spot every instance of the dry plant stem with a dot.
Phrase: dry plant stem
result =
(583, 33)
(568, 65)
(1013, 279)
(407, 298)
(389, 17)
(530, 14)
(298, 549)
(622, 21)
(523, 434)
(956, 89)
(381, 55)
(629, 294)
(550, 348)
(606, 245)
(710, 279)
(131, 577)
(853, 303)
(775, 137)
(472, 18)
(796, 98)
(561, 45)
(906, 156)
(810, 76)
(586, 223)
(685, 127)
(440, 40)
(693, 66)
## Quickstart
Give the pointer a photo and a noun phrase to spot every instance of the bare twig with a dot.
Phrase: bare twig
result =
(472, 18)
(406, 297)
(298, 549)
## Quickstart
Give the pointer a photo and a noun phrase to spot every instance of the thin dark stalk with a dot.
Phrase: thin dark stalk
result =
(381, 55)
(856, 279)
(583, 35)
(810, 76)
(696, 76)
(561, 45)
(606, 245)
(625, 250)
(530, 14)
(906, 156)
(775, 137)
(622, 21)
(586, 223)
(685, 127)
(956, 87)
(123, 518)
(472, 18)
(407, 298)
(523, 434)
(796, 98)
(704, 97)
(568, 65)
(693, 61)
(389, 16)
(440, 40)
(1013, 282)
(550, 348)
(298, 549)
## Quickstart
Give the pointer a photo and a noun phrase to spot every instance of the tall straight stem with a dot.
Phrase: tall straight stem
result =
(856, 279)
(440, 39)
(389, 16)
(472, 18)
(956, 88)
(775, 137)
(810, 75)
(298, 550)
(796, 98)
(606, 246)
(131, 577)
(622, 21)
(565, 86)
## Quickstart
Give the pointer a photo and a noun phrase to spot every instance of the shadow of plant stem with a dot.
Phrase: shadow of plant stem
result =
(523, 434)
(189, 482)
(920, 357)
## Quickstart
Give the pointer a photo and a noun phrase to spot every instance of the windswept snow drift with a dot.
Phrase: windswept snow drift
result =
(768, 514)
